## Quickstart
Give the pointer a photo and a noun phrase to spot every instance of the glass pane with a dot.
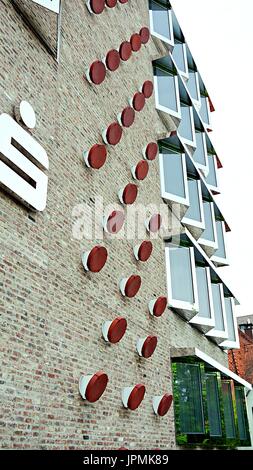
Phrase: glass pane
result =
(217, 303)
(240, 408)
(179, 57)
(221, 252)
(192, 85)
(228, 410)
(181, 274)
(204, 300)
(185, 126)
(230, 319)
(166, 90)
(161, 20)
(211, 177)
(213, 405)
(199, 155)
(204, 110)
(188, 385)
(193, 212)
(208, 233)
(173, 174)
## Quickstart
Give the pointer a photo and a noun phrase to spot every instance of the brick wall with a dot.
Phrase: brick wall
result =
(241, 360)
(52, 311)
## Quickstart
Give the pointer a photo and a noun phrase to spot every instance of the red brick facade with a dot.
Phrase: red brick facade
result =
(241, 360)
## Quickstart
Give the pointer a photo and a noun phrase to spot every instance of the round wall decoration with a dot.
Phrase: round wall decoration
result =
(162, 404)
(150, 151)
(92, 387)
(138, 101)
(154, 223)
(95, 259)
(125, 51)
(112, 135)
(128, 194)
(147, 89)
(146, 346)
(135, 42)
(114, 222)
(126, 118)
(96, 157)
(133, 396)
(129, 287)
(112, 60)
(145, 35)
(143, 251)
(96, 73)
(113, 331)
(140, 171)
(158, 306)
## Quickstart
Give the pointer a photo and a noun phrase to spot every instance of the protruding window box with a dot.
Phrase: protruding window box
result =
(161, 21)
(208, 239)
(211, 177)
(167, 92)
(186, 128)
(194, 216)
(192, 85)
(200, 156)
(220, 331)
(181, 280)
(173, 177)
(233, 338)
(205, 112)
(219, 257)
(204, 320)
(180, 57)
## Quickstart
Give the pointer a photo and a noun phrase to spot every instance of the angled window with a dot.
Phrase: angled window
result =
(228, 409)
(233, 339)
(173, 176)
(241, 413)
(166, 91)
(209, 237)
(220, 256)
(220, 330)
(194, 216)
(200, 154)
(186, 128)
(213, 405)
(181, 279)
(180, 57)
(193, 87)
(211, 177)
(204, 110)
(204, 320)
(161, 21)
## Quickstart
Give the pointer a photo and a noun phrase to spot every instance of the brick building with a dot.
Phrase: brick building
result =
(241, 360)
(107, 94)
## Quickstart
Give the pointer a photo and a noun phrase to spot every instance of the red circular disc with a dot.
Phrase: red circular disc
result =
(97, 6)
(114, 133)
(132, 286)
(97, 259)
(135, 41)
(130, 194)
(145, 35)
(141, 170)
(145, 251)
(165, 405)
(117, 330)
(97, 72)
(96, 386)
(112, 60)
(138, 101)
(115, 221)
(151, 151)
(125, 50)
(149, 346)
(97, 156)
(147, 88)
(155, 223)
(136, 397)
(111, 3)
(160, 306)
(127, 116)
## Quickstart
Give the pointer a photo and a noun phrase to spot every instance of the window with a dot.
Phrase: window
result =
(204, 110)
(211, 177)
(180, 58)
(189, 390)
(213, 405)
(220, 329)
(241, 413)
(205, 316)
(193, 86)
(194, 216)
(166, 91)
(233, 339)
(181, 278)
(220, 255)
(228, 410)
(200, 154)
(173, 176)
(161, 22)
(209, 236)
(186, 127)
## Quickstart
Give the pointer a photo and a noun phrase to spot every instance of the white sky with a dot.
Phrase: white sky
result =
(220, 36)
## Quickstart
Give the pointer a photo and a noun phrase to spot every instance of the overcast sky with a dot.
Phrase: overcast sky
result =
(220, 36)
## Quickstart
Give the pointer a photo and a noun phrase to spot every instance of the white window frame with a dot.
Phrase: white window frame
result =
(159, 106)
(160, 36)
(218, 259)
(196, 102)
(207, 323)
(53, 5)
(227, 344)
(209, 243)
(210, 186)
(203, 168)
(222, 334)
(206, 124)
(170, 196)
(175, 303)
(192, 222)
(181, 72)
(191, 143)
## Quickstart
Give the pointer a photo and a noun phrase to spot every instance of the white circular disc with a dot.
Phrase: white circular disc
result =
(27, 114)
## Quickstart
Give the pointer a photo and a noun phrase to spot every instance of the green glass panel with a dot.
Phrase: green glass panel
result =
(213, 406)
(228, 410)
(240, 408)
